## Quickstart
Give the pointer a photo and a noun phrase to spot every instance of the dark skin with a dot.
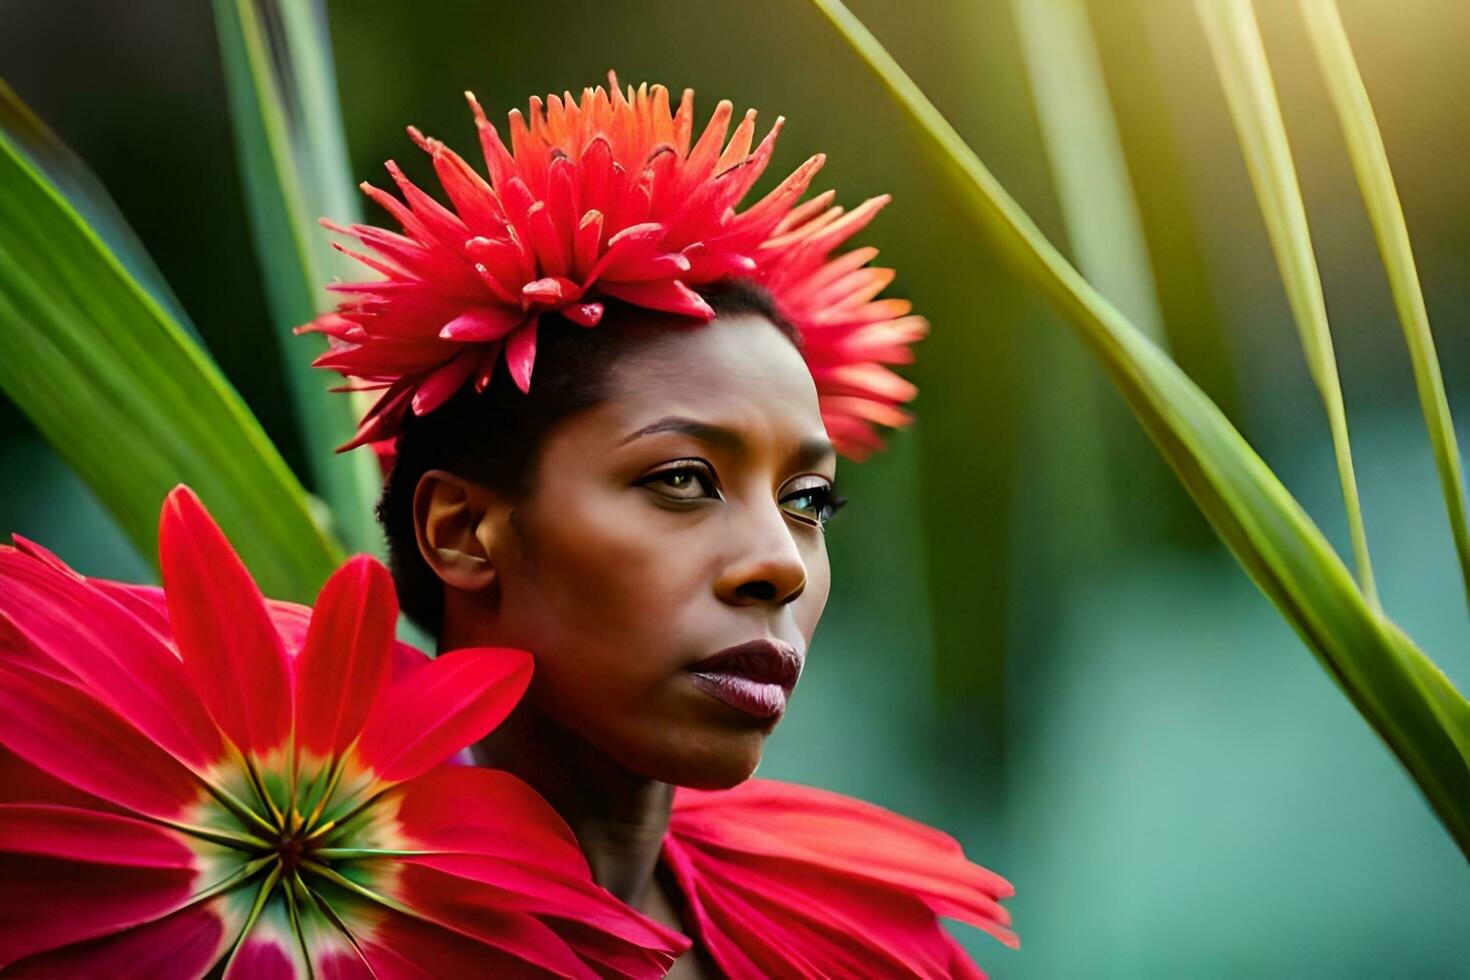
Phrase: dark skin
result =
(680, 516)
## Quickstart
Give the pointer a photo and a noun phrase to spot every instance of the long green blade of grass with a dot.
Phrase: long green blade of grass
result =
(116, 384)
(1370, 162)
(1086, 156)
(288, 131)
(1240, 58)
(1397, 689)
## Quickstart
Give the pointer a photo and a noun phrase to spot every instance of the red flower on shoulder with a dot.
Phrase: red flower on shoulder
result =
(791, 881)
(197, 777)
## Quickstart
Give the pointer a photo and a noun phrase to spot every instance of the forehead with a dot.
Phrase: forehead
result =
(739, 371)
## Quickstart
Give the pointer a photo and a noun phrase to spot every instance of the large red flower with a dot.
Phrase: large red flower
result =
(790, 881)
(610, 197)
(196, 776)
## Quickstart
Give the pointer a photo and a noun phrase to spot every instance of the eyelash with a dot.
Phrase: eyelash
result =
(828, 500)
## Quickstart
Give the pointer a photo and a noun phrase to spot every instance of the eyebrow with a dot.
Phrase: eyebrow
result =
(808, 452)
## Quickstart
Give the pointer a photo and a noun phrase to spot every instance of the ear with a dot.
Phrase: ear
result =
(456, 522)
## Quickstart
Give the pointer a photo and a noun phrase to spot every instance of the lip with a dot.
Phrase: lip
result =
(755, 677)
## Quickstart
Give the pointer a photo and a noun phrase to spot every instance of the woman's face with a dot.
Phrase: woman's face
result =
(677, 519)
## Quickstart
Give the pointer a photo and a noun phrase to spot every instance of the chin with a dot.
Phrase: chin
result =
(710, 761)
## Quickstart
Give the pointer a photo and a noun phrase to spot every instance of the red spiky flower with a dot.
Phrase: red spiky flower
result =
(193, 779)
(604, 198)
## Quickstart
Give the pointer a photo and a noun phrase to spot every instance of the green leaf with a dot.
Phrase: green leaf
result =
(74, 181)
(112, 378)
(1240, 59)
(1370, 162)
(288, 131)
(1396, 688)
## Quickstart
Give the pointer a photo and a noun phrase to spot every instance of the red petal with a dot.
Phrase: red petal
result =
(634, 243)
(770, 824)
(43, 555)
(447, 379)
(229, 646)
(272, 949)
(182, 946)
(550, 245)
(670, 297)
(66, 733)
(586, 243)
(702, 159)
(259, 958)
(584, 314)
(496, 830)
(485, 811)
(403, 948)
(344, 663)
(472, 197)
(383, 418)
(88, 835)
(441, 707)
(497, 159)
(463, 906)
(596, 171)
(485, 370)
(790, 921)
(520, 354)
(25, 783)
(54, 617)
(482, 323)
(147, 604)
(51, 903)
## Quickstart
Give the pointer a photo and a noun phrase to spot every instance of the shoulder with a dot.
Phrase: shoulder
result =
(790, 880)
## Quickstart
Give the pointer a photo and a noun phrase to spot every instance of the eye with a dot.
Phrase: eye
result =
(813, 500)
(687, 480)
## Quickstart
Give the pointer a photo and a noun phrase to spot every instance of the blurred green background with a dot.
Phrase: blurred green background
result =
(1034, 641)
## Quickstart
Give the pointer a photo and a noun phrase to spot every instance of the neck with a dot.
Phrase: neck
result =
(618, 817)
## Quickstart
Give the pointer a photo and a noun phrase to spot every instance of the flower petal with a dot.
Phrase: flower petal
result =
(229, 646)
(459, 904)
(345, 661)
(796, 920)
(520, 354)
(486, 811)
(404, 948)
(181, 946)
(88, 835)
(66, 733)
(783, 821)
(59, 617)
(787, 879)
(51, 902)
(670, 296)
(25, 783)
(438, 709)
(491, 827)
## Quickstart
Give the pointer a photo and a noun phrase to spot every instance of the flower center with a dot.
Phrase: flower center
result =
(290, 850)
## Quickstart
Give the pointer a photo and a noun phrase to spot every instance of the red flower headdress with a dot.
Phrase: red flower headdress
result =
(606, 198)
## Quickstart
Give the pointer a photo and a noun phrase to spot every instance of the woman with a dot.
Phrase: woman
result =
(612, 407)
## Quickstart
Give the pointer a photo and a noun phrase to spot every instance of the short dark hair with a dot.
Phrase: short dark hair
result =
(493, 437)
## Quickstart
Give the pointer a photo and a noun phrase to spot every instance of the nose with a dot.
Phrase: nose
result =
(768, 569)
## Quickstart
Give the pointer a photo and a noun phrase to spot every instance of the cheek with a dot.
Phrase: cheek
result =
(602, 582)
(813, 599)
